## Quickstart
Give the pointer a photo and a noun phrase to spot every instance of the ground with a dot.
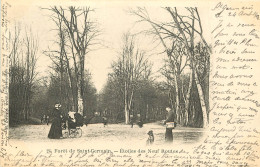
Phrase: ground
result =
(112, 134)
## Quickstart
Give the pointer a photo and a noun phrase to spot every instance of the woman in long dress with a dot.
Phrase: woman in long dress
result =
(56, 129)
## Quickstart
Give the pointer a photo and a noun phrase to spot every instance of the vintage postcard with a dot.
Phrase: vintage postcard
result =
(130, 83)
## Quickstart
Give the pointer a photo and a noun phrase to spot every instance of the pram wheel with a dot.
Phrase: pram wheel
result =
(72, 132)
(75, 132)
(78, 132)
(74, 122)
(65, 135)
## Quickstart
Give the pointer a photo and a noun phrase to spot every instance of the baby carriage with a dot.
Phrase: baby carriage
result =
(74, 124)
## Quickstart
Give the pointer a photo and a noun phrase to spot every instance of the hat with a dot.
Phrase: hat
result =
(71, 114)
(57, 105)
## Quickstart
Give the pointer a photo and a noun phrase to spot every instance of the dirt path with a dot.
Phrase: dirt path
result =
(113, 133)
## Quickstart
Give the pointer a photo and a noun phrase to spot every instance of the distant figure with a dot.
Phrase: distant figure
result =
(169, 122)
(104, 120)
(56, 129)
(47, 119)
(132, 121)
(43, 119)
(139, 121)
(150, 139)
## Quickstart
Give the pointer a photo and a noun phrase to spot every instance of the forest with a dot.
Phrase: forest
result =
(131, 87)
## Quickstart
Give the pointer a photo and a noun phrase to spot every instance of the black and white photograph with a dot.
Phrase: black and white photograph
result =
(129, 84)
(83, 73)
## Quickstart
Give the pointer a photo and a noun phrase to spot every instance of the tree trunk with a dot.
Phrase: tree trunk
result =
(147, 112)
(82, 85)
(126, 106)
(202, 101)
(80, 102)
(193, 115)
(187, 102)
(126, 116)
(177, 101)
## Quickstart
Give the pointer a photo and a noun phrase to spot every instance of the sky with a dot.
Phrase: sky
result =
(113, 20)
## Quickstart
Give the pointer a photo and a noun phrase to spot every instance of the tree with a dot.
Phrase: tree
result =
(180, 30)
(59, 55)
(53, 90)
(110, 99)
(149, 100)
(16, 73)
(187, 30)
(23, 58)
(131, 67)
(31, 44)
(81, 36)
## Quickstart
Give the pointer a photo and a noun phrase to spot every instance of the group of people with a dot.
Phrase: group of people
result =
(139, 121)
(169, 123)
(45, 119)
(59, 120)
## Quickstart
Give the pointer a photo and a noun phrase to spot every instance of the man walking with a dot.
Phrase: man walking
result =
(132, 121)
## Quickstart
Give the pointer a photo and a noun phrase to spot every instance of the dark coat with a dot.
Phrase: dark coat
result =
(168, 133)
(104, 120)
(139, 122)
(79, 119)
(56, 129)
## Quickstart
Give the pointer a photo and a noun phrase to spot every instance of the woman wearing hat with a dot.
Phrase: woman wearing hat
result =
(56, 129)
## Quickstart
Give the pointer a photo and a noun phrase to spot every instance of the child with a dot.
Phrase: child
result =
(139, 121)
(150, 139)
(104, 121)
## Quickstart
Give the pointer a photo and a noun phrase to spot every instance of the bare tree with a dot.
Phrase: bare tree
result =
(128, 70)
(176, 53)
(31, 44)
(181, 29)
(74, 23)
(62, 64)
(16, 73)
(23, 57)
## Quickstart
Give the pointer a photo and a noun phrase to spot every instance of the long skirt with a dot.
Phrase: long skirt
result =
(56, 129)
(168, 135)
